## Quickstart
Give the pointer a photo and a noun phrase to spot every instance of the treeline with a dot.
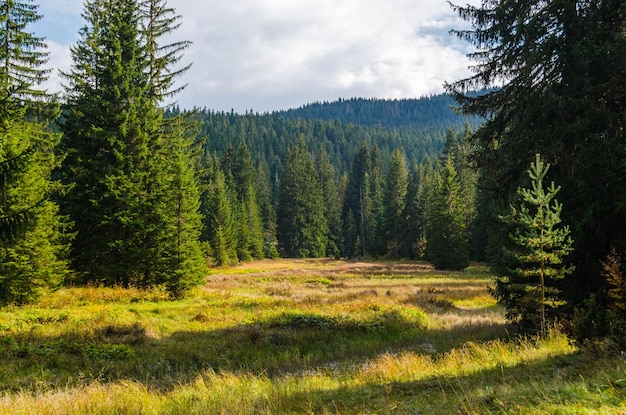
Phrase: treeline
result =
(436, 112)
(269, 136)
(308, 210)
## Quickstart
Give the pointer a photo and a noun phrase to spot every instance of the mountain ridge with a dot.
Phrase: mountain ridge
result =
(434, 111)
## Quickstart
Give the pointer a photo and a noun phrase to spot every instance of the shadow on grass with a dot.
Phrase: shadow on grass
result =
(574, 381)
(289, 343)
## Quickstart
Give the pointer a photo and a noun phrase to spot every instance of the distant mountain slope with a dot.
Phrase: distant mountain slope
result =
(269, 137)
(427, 113)
(418, 127)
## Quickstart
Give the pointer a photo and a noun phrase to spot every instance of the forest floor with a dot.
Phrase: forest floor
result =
(297, 337)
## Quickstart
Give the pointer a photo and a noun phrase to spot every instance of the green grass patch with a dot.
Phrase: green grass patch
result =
(330, 337)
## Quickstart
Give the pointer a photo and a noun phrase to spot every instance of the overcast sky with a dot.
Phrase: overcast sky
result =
(269, 55)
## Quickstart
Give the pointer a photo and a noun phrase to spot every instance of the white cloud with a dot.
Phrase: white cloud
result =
(59, 58)
(274, 54)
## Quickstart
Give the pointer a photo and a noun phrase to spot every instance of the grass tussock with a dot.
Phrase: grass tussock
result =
(298, 337)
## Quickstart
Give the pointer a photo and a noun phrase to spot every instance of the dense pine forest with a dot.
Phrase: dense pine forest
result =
(419, 127)
(431, 113)
(337, 170)
(103, 185)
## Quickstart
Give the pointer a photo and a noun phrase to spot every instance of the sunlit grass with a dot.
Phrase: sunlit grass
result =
(298, 337)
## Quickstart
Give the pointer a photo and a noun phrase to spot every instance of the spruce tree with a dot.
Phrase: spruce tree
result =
(108, 163)
(412, 230)
(355, 211)
(332, 207)
(394, 203)
(22, 56)
(129, 188)
(530, 290)
(21, 64)
(458, 147)
(250, 245)
(302, 228)
(363, 199)
(447, 237)
(186, 258)
(220, 228)
(375, 225)
(159, 21)
(33, 241)
(268, 214)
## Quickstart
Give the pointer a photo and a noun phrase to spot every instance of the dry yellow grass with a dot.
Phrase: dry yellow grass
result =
(299, 337)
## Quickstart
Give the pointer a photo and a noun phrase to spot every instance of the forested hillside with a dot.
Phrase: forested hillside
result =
(418, 127)
(340, 186)
(434, 112)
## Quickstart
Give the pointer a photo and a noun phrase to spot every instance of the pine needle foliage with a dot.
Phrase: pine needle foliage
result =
(447, 235)
(530, 292)
(33, 238)
(134, 194)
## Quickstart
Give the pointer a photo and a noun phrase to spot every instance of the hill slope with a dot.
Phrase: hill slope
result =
(418, 127)
(436, 112)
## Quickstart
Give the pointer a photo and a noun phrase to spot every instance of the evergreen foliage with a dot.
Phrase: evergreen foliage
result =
(219, 228)
(358, 205)
(132, 187)
(530, 291)
(186, 258)
(394, 203)
(23, 57)
(268, 213)
(302, 228)
(558, 69)
(413, 232)
(434, 112)
(447, 235)
(332, 204)
(269, 136)
(33, 238)
(249, 218)
(158, 21)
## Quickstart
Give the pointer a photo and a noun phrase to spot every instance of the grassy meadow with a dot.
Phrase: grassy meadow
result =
(297, 337)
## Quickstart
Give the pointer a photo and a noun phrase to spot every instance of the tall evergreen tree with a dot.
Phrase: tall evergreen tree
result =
(220, 228)
(332, 205)
(250, 233)
(363, 201)
(22, 55)
(447, 238)
(159, 21)
(394, 203)
(184, 224)
(32, 239)
(302, 228)
(268, 214)
(354, 211)
(21, 70)
(412, 230)
(375, 225)
(122, 161)
(108, 161)
(458, 147)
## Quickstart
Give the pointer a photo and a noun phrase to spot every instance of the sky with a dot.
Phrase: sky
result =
(269, 55)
